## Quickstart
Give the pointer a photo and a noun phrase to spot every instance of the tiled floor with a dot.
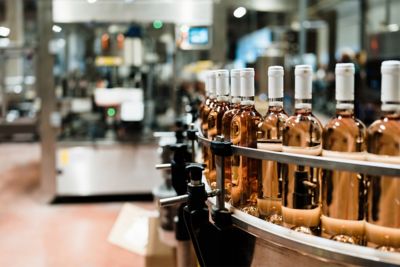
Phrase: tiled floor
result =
(37, 234)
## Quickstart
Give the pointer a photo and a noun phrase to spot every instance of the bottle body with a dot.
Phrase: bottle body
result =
(302, 134)
(343, 192)
(245, 170)
(383, 219)
(270, 190)
(226, 132)
(204, 112)
(215, 128)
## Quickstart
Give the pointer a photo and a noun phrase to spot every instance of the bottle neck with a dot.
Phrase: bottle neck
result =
(390, 107)
(345, 108)
(223, 98)
(275, 102)
(212, 96)
(344, 104)
(236, 99)
(303, 105)
(247, 101)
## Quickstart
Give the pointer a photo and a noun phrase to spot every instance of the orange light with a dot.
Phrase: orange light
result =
(105, 41)
(120, 41)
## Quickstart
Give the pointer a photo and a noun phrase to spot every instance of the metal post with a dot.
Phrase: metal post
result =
(4, 101)
(45, 88)
(220, 182)
(219, 44)
(363, 24)
(302, 32)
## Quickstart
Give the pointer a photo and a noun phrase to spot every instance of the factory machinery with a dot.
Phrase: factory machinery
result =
(222, 235)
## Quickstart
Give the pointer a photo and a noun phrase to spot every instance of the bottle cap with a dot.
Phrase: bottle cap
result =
(344, 73)
(247, 82)
(303, 82)
(235, 82)
(390, 81)
(212, 82)
(275, 82)
(222, 80)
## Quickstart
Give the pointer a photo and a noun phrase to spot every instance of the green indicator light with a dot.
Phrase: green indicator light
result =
(157, 24)
(111, 112)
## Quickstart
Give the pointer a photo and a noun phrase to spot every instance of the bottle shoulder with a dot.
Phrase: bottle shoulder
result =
(383, 125)
(347, 124)
(303, 119)
(230, 113)
(344, 134)
(384, 137)
(272, 119)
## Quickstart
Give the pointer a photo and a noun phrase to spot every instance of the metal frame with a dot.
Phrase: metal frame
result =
(366, 167)
(317, 248)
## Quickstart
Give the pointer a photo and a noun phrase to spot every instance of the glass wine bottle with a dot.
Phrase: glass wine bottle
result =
(343, 192)
(226, 125)
(244, 133)
(383, 220)
(215, 118)
(302, 134)
(270, 138)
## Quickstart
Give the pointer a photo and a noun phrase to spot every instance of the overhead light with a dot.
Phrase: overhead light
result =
(393, 27)
(239, 12)
(56, 28)
(4, 31)
(91, 1)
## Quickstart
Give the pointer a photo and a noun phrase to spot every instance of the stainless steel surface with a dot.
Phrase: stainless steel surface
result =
(170, 201)
(372, 168)
(107, 169)
(164, 134)
(46, 92)
(179, 12)
(163, 166)
(280, 246)
(326, 251)
(267, 6)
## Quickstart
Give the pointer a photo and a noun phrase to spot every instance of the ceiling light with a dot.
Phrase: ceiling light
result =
(4, 31)
(239, 12)
(393, 27)
(56, 28)
(91, 1)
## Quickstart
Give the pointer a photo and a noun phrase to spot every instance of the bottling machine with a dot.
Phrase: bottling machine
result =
(226, 236)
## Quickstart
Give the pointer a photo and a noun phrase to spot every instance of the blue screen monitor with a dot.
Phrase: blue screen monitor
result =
(198, 36)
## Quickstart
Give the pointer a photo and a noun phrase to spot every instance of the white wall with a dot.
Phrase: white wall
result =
(348, 26)
(348, 21)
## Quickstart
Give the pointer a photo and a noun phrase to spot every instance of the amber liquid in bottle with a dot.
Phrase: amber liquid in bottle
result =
(343, 193)
(208, 106)
(245, 170)
(226, 131)
(204, 112)
(383, 219)
(302, 134)
(270, 132)
(215, 128)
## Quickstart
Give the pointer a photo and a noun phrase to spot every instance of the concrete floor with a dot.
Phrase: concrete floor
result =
(33, 233)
